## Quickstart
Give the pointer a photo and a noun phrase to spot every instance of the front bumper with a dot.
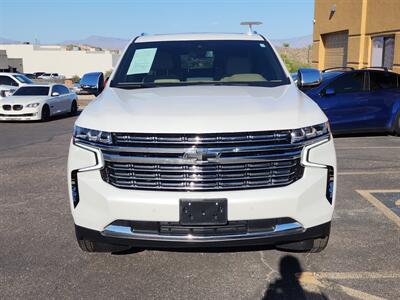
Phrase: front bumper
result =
(125, 237)
(26, 114)
(100, 204)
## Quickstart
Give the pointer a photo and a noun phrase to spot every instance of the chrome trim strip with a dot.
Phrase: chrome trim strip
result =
(125, 232)
(195, 178)
(208, 169)
(304, 160)
(178, 150)
(99, 157)
(202, 187)
(201, 138)
(222, 149)
(182, 161)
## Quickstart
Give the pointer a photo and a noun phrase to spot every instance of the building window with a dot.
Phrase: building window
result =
(382, 51)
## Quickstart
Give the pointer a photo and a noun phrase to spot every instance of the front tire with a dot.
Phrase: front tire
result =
(396, 127)
(45, 113)
(312, 246)
(74, 108)
(319, 244)
(95, 247)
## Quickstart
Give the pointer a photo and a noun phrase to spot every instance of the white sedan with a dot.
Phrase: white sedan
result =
(38, 102)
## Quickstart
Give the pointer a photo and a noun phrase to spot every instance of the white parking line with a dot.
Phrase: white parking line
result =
(322, 280)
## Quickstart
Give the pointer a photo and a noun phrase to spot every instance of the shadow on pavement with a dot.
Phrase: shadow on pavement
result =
(288, 286)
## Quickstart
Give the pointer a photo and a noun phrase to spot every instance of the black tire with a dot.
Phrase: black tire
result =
(319, 244)
(93, 247)
(312, 246)
(74, 108)
(396, 126)
(87, 246)
(45, 113)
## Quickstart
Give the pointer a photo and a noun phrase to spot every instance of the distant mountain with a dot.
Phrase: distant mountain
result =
(296, 42)
(100, 41)
(118, 43)
(7, 41)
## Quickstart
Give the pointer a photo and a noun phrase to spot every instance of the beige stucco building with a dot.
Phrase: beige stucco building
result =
(10, 64)
(65, 60)
(357, 33)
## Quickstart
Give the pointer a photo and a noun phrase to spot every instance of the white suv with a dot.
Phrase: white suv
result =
(202, 140)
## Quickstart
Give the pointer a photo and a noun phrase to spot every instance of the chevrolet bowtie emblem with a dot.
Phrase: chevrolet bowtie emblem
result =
(201, 156)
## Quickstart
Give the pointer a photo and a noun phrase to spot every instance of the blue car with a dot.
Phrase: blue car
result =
(366, 100)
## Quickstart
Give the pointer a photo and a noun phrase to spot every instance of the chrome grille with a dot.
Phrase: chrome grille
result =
(272, 137)
(205, 162)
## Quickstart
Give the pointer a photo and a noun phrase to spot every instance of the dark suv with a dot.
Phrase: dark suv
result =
(359, 100)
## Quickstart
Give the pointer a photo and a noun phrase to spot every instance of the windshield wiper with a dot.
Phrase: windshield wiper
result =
(133, 85)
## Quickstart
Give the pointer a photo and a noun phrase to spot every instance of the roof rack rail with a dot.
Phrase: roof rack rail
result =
(338, 68)
(376, 68)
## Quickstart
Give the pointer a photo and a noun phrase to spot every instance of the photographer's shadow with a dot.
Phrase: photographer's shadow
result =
(288, 286)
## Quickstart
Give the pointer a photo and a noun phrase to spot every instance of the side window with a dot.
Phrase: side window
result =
(64, 90)
(5, 80)
(348, 83)
(382, 80)
(56, 89)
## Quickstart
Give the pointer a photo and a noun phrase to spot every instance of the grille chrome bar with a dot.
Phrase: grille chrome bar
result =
(196, 169)
(180, 161)
(221, 149)
(194, 178)
(202, 162)
(221, 138)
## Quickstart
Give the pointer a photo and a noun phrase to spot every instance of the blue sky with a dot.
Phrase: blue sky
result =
(53, 21)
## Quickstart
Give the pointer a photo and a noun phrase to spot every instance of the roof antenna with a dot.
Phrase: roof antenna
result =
(250, 24)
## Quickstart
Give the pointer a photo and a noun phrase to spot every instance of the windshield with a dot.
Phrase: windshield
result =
(23, 79)
(32, 91)
(199, 62)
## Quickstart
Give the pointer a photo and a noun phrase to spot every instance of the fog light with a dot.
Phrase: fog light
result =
(74, 187)
(330, 184)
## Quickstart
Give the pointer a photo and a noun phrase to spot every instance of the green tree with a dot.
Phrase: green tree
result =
(107, 73)
(293, 65)
(75, 78)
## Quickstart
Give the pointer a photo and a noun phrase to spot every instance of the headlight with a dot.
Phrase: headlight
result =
(310, 132)
(33, 105)
(91, 135)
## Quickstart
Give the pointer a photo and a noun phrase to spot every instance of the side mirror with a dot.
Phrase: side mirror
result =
(329, 92)
(55, 94)
(92, 83)
(307, 78)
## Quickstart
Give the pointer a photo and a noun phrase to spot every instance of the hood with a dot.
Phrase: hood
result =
(23, 99)
(201, 109)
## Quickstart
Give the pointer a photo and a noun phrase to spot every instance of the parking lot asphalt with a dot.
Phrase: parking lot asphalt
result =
(39, 257)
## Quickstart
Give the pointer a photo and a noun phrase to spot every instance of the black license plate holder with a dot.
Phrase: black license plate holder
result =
(203, 212)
